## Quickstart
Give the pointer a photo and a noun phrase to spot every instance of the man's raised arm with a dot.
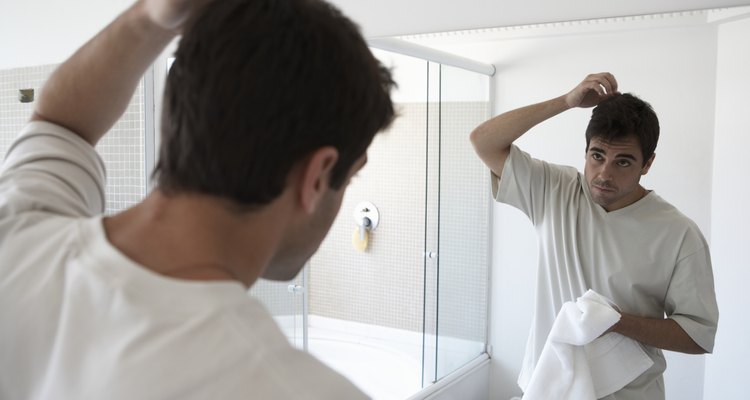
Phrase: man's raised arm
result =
(91, 90)
(492, 139)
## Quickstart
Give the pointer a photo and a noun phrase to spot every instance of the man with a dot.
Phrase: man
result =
(603, 230)
(269, 109)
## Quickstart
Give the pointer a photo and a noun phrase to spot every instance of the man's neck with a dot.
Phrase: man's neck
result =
(195, 237)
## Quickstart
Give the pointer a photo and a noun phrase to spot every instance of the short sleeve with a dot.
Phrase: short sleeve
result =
(691, 298)
(49, 168)
(526, 183)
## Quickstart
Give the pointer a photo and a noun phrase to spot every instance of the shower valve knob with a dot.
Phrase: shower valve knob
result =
(366, 216)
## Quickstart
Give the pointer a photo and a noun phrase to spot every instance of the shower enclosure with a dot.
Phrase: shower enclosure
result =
(412, 307)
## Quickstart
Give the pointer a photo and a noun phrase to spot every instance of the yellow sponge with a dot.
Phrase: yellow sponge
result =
(360, 242)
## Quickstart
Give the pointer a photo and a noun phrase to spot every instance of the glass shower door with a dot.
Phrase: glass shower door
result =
(286, 301)
(463, 219)
(366, 303)
(457, 222)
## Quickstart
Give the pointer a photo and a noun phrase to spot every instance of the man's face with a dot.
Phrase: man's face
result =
(302, 244)
(613, 171)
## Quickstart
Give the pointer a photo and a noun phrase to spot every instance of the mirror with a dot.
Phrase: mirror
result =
(691, 67)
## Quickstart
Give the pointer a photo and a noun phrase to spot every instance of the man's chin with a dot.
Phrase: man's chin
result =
(602, 201)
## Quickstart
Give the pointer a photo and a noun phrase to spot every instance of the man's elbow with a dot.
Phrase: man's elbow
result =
(693, 348)
(475, 137)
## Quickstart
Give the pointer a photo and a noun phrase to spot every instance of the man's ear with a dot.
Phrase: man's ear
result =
(315, 176)
(646, 167)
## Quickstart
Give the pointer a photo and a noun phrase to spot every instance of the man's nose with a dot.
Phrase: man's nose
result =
(605, 171)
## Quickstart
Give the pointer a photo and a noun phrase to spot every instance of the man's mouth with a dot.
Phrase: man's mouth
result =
(603, 188)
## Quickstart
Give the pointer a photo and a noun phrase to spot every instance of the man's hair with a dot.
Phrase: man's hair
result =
(624, 115)
(258, 85)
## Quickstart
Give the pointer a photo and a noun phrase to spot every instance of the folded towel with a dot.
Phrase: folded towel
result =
(578, 363)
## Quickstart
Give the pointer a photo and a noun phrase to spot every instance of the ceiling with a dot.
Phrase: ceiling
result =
(402, 17)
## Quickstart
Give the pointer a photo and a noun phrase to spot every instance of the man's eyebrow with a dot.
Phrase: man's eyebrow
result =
(618, 155)
(626, 155)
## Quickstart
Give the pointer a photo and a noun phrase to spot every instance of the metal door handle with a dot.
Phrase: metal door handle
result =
(296, 289)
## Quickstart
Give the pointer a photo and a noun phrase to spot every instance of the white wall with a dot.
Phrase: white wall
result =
(674, 70)
(730, 215)
(36, 32)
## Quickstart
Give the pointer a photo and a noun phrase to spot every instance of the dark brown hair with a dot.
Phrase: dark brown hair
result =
(624, 115)
(256, 86)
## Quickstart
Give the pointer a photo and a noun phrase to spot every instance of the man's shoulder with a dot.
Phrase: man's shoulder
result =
(39, 243)
(275, 367)
(665, 217)
(521, 159)
(662, 210)
(49, 168)
(38, 230)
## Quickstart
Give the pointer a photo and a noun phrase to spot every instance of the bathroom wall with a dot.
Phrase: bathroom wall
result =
(385, 284)
(730, 214)
(40, 32)
(122, 150)
(13, 113)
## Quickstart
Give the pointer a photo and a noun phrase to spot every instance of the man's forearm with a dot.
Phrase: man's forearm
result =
(664, 334)
(493, 138)
(89, 92)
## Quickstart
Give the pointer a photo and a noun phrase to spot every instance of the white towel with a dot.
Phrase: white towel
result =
(576, 363)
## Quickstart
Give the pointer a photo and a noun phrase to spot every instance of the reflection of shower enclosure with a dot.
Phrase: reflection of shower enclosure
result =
(412, 307)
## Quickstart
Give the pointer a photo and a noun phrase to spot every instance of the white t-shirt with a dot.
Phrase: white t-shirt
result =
(79, 320)
(649, 258)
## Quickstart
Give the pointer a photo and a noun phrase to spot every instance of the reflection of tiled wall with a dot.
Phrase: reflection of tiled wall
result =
(13, 113)
(382, 286)
(464, 226)
(122, 149)
(385, 285)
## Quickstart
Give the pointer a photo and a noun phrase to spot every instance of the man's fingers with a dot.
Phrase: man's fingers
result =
(605, 80)
(594, 85)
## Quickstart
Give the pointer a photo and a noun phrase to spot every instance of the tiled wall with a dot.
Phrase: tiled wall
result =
(13, 113)
(122, 149)
(386, 285)
(464, 225)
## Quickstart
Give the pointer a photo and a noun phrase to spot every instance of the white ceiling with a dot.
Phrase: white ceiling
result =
(400, 17)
